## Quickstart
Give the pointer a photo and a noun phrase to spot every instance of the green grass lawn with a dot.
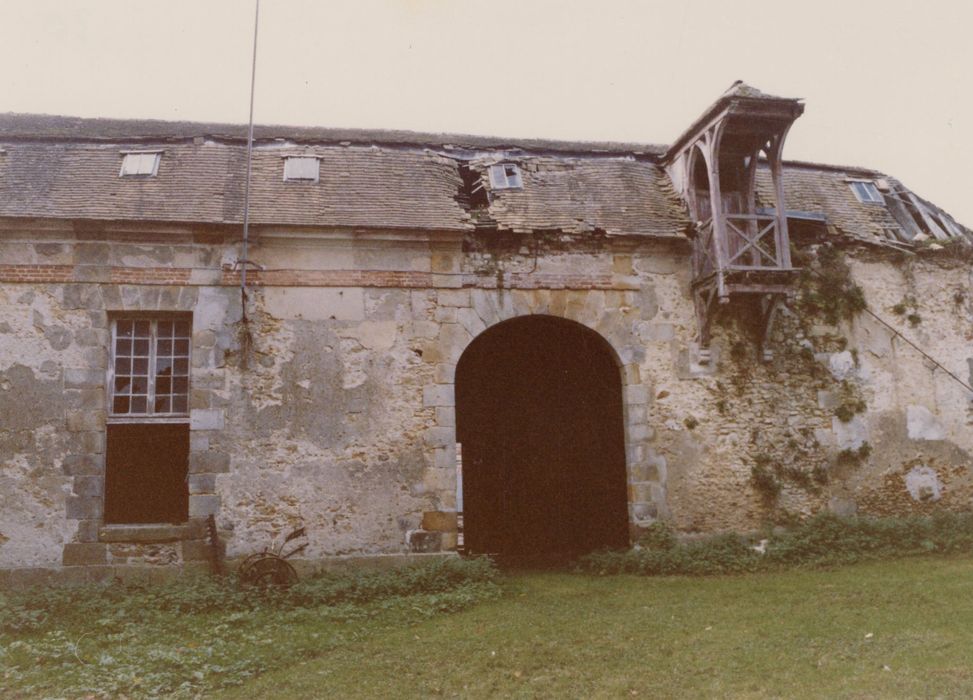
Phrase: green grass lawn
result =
(899, 628)
(891, 629)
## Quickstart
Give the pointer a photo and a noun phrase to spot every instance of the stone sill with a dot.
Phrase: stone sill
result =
(150, 533)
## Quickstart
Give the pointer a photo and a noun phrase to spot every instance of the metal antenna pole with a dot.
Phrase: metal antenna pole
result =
(246, 192)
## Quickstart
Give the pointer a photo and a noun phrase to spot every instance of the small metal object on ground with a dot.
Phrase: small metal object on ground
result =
(270, 567)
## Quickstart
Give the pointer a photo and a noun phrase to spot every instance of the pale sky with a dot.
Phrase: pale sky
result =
(887, 84)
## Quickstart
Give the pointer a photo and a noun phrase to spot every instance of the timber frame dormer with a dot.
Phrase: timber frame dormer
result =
(738, 250)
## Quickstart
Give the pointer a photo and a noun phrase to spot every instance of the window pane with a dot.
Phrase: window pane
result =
(123, 366)
(182, 347)
(142, 329)
(164, 347)
(124, 329)
(139, 404)
(120, 404)
(179, 404)
(140, 385)
(181, 367)
(123, 347)
(165, 329)
(140, 366)
(163, 404)
(182, 329)
(180, 385)
(163, 385)
(123, 385)
(163, 366)
(141, 347)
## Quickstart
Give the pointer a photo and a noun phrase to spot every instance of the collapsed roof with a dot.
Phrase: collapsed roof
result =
(68, 168)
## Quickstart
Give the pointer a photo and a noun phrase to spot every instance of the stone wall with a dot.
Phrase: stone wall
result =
(332, 405)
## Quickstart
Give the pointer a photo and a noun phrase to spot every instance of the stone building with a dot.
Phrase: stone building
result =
(512, 346)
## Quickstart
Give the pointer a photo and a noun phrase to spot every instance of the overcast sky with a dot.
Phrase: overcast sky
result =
(887, 84)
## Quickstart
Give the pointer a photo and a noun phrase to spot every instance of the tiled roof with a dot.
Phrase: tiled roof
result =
(53, 127)
(828, 192)
(359, 187)
(821, 189)
(618, 196)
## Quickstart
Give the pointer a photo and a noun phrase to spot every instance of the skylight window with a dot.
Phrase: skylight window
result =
(867, 192)
(505, 176)
(144, 163)
(302, 168)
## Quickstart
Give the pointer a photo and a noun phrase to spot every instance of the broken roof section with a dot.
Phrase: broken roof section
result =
(614, 196)
(68, 168)
(825, 192)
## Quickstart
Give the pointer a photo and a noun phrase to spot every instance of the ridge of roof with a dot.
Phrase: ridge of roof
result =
(28, 126)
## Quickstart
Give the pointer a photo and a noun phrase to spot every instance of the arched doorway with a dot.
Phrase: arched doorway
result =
(539, 418)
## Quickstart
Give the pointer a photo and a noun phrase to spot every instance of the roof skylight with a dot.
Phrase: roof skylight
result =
(306, 168)
(144, 163)
(505, 176)
(867, 192)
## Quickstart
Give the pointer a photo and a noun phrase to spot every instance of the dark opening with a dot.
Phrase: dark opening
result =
(146, 468)
(539, 417)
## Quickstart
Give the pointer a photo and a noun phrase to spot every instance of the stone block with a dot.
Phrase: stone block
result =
(640, 432)
(91, 398)
(644, 511)
(83, 508)
(445, 416)
(83, 464)
(206, 419)
(444, 458)
(454, 297)
(447, 314)
(87, 531)
(202, 483)
(92, 337)
(198, 441)
(635, 394)
(641, 492)
(425, 329)
(196, 550)
(424, 541)
(643, 471)
(85, 554)
(83, 378)
(204, 339)
(200, 398)
(438, 395)
(201, 506)
(209, 462)
(89, 486)
(656, 332)
(440, 436)
(439, 521)
(84, 420)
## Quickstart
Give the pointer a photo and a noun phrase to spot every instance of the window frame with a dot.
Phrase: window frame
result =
(150, 416)
(500, 179)
(157, 159)
(866, 187)
(317, 168)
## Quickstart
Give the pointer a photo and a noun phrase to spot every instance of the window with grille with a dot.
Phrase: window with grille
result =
(150, 367)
